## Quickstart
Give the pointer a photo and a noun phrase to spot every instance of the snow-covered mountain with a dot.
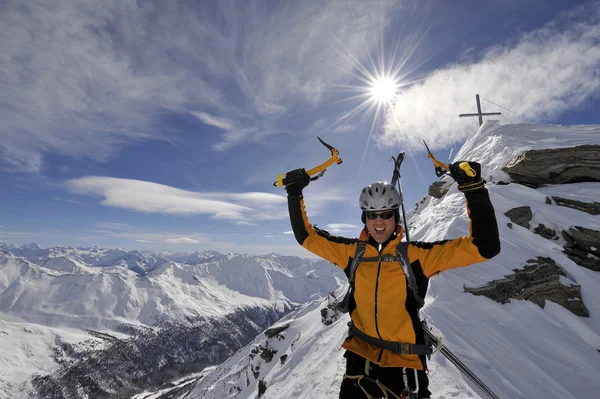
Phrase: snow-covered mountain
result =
(526, 322)
(61, 315)
(140, 262)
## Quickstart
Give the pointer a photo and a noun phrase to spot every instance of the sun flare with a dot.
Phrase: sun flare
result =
(377, 80)
(383, 89)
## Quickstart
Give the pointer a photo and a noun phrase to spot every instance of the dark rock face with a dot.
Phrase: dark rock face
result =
(152, 357)
(275, 331)
(593, 208)
(265, 351)
(582, 244)
(583, 247)
(521, 216)
(536, 168)
(439, 188)
(545, 232)
(330, 313)
(267, 354)
(262, 387)
(537, 282)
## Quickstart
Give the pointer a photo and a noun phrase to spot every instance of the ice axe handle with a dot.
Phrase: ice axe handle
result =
(440, 167)
(318, 170)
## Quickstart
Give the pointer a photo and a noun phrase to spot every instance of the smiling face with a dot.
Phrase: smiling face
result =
(380, 229)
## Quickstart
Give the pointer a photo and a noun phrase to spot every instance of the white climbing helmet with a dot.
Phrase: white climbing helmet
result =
(379, 196)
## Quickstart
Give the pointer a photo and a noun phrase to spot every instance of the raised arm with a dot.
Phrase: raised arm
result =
(483, 241)
(336, 250)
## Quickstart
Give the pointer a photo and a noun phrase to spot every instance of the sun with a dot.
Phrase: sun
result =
(383, 89)
(375, 81)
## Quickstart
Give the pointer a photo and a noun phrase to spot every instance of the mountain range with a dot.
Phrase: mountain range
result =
(181, 311)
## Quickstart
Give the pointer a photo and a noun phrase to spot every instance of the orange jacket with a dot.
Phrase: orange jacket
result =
(383, 309)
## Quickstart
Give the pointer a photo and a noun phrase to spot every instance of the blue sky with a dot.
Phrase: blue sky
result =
(163, 124)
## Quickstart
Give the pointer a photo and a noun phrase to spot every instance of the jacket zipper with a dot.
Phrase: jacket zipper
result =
(376, 321)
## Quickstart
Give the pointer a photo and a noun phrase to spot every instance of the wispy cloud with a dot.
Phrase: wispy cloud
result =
(245, 224)
(543, 74)
(212, 120)
(183, 240)
(65, 200)
(79, 78)
(160, 239)
(218, 242)
(18, 234)
(142, 196)
(341, 228)
(114, 226)
(20, 156)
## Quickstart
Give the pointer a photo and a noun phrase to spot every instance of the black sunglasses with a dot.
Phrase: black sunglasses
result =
(385, 215)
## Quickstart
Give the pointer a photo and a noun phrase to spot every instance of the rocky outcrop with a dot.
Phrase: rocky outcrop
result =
(265, 354)
(330, 313)
(536, 168)
(439, 188)
(262, 387)
(593, 208)
(521, 216)
(545, 232)
(537, 282)
(275, 331)
(583, 247)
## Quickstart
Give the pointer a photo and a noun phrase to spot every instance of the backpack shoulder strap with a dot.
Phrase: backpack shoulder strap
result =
(360, 251)
(402, 257)
(350, 271)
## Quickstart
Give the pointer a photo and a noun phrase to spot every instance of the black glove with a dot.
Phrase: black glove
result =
(295, 181)
(468, 175)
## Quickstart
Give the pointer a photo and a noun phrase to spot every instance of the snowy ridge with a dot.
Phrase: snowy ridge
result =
(61, 291)
(507, 141)
(138, 261)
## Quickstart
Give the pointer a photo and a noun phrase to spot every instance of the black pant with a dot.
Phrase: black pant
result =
(390, 377)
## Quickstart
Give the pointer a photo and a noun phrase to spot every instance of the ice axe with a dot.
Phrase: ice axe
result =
(441, 168)
(317, 170)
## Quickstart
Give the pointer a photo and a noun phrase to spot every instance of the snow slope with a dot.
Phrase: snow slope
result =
(312, 368)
